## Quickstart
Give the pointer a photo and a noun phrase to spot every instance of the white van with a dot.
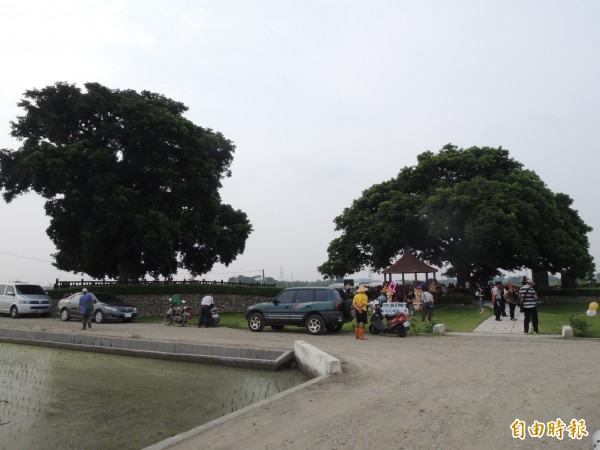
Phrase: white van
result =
(23, 298)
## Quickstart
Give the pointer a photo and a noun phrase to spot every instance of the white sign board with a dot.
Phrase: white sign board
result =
(394, 308)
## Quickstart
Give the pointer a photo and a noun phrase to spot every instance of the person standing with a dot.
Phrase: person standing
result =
(427, 305)
(528, 299)
(512, 298)
(86, 308)
(205, 306)
(410, 302)
(497, 300)
(479, 294)
(359, 303)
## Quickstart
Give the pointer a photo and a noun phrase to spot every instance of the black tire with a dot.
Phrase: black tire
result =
(168, 318)
(14, 312)
(372, 329)
(256, 322)
(315, 324)
(334, 328)
(277, 327)
(99, 316)
(64, 315)
(402, 331)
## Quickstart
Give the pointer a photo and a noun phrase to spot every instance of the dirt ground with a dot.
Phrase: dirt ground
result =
(421, 392)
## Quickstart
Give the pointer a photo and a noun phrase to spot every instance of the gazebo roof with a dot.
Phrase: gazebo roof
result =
(409, 263)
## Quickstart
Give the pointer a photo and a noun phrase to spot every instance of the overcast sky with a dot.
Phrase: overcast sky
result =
(323, 99)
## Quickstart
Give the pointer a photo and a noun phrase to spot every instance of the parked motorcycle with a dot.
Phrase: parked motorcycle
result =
(178, 312)
(390, 323)
(214, 318)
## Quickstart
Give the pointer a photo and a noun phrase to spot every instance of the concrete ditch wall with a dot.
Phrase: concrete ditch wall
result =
(252, 358)
(311, 360)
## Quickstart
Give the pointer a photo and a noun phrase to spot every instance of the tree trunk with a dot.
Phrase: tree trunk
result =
(540, 278)
(127, 271)
(568, 281)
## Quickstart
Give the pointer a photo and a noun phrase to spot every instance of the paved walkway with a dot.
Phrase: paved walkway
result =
(505, 326)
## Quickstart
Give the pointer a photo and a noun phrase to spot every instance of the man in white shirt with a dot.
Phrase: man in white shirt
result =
(497, 300)
(427, 304)
(205, 305)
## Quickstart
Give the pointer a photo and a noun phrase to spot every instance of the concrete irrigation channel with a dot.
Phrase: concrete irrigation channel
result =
(309, 358)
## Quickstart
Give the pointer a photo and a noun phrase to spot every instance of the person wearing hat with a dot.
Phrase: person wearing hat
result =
(359, 303)
(512, 298)
(85, 308)
(528, 299)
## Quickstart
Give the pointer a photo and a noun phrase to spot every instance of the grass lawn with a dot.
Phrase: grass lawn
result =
(553, 317)
(456, 319)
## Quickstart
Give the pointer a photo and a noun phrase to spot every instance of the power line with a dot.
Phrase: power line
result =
(26, 257)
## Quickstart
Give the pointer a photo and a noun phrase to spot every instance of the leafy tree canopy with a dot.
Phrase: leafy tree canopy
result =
(476, 210)
(131, 185)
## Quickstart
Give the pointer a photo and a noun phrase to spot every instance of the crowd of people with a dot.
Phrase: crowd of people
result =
(418, 297)
(422, 297)
(525, 297)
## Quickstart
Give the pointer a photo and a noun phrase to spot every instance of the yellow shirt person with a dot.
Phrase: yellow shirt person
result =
(359, 303)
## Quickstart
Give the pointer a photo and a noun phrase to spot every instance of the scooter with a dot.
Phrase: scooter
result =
(214, 318)
(394, 323)
(178, 312)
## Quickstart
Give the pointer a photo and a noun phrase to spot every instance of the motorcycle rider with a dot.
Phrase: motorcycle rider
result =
(205, 306)
(359, 303)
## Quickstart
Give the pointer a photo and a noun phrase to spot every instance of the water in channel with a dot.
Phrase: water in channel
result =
(63, 399)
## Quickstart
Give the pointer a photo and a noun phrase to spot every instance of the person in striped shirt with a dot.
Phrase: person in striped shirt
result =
(528, 299)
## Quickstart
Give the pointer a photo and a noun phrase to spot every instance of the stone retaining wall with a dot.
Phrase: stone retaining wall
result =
(156, 305)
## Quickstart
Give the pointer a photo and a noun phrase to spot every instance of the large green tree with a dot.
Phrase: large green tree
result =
(131, 185)
(476, 210)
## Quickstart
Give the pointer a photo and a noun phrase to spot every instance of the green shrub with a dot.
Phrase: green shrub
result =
(581, 292)
(580, 325)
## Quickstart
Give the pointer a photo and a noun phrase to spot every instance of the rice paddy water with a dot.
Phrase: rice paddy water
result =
(63, 399)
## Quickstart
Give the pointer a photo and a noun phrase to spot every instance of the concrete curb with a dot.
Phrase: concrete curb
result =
(202, 428)
(315, 362)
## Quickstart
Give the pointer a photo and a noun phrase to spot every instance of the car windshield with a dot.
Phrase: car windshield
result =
(30, 289)
(109, 299)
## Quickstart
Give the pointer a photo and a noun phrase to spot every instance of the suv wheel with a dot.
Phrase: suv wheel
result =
(256, 322)
(315, 324)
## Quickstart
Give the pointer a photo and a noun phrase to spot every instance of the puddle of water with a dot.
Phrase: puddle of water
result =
(62, 399)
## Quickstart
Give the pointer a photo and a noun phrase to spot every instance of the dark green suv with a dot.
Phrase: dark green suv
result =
(316, 308)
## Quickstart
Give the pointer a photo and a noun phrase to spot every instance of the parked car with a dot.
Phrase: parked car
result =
(316, 308)
(106, 307)
(24, 298)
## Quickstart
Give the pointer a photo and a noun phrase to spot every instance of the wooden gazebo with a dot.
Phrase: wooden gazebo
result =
(409, 263)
